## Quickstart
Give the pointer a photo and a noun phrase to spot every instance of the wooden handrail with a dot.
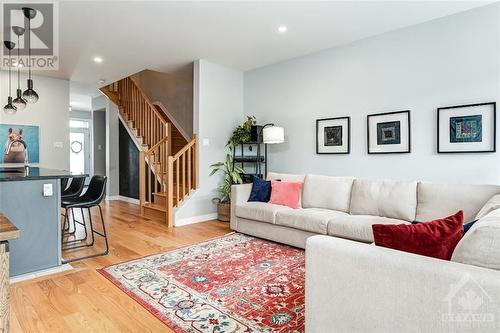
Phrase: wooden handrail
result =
(184, 149)
(150, 150)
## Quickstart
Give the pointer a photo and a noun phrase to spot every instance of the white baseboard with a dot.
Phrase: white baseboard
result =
(195, 219)
(130, 200)
(122, 198)
(43, 272)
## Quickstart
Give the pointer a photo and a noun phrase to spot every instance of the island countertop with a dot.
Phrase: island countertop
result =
(33, 173)
(8, 231)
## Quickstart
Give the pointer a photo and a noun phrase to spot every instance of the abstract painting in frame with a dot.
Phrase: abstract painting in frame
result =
(467, 128)
(333, 135)
(389, 133)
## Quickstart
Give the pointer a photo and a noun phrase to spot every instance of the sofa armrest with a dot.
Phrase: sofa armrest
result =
(239, 194)
(355, 287)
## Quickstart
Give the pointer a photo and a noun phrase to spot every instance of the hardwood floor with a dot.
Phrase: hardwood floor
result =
(81, 300)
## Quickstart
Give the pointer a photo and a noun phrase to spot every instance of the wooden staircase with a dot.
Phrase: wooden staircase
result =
(168, 162)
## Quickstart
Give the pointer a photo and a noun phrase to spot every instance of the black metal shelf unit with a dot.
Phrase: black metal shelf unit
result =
(251, 155)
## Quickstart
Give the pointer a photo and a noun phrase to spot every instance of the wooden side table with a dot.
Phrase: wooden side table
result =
(8, 232)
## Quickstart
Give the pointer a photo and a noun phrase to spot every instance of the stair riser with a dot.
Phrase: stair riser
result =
(156, 214)
(160, 199)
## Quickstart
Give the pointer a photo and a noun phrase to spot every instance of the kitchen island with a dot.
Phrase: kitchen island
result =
(31, 198)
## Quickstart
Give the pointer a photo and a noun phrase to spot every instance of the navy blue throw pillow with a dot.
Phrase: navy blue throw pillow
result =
(467, 226)
(261, 190)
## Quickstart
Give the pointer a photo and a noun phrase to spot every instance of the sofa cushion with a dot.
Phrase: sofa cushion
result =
(480, 246)
(489, 206)
(438, 200)
(436, 238)
(261, 190)
(286, 193)
(389, 198)
(288, 177)
(309, 219)
(259, 211)
(358, 227)
(327, 192)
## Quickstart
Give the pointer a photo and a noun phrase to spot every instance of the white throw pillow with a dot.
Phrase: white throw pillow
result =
(489, 206)
(480, 246)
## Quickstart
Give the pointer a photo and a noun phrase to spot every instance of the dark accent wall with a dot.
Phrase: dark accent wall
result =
(129, 164)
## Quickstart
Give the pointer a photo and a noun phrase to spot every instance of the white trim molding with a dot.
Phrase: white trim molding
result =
(40, 273)
(123, 198)
(195, 219)
(129, 200)
(172, 119)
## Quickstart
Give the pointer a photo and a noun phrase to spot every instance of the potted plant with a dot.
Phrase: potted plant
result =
(232, 174)
(242, 133)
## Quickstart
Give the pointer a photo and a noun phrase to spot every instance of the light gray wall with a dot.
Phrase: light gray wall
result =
(51, 113)
(449, 61)
(218, 109)
(174, 92)
(99, 127)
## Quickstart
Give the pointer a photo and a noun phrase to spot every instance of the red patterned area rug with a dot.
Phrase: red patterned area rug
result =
(235, 283)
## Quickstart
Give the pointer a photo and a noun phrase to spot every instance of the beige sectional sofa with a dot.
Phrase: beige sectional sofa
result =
(353, 286)
(346, 207)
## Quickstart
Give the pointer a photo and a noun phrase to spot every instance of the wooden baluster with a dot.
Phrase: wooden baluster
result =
(183, 175)
(177, 187)
(149, 173)
(170, 194)
(189, 152)
(169, 136)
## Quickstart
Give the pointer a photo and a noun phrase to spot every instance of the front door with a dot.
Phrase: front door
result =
(79, 143)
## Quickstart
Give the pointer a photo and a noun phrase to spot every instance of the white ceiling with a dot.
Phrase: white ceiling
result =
(166, 36)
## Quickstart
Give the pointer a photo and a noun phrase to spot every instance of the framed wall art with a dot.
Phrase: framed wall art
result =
(389, 133)
(467, 128)
(333, 135)
(10, 133)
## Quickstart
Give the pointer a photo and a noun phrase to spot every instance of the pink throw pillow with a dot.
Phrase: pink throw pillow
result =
(285, 193)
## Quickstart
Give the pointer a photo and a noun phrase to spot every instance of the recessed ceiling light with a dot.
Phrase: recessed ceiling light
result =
(98, 60)
(282, 29)
(101, 81)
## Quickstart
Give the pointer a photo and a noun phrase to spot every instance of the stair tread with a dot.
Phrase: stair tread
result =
(164, 194)
(155, 206)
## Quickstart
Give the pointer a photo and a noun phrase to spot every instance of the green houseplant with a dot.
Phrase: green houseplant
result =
(232, 174)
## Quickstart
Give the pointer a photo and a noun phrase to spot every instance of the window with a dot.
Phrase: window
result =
(78, 124)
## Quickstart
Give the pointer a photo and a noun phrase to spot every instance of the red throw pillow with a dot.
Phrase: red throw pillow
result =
(436, 238)
(285, 193)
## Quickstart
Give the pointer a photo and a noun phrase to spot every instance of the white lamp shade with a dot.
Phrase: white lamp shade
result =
(273, 134)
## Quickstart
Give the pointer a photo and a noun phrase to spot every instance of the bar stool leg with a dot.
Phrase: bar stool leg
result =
(73, 241)
(92, 231)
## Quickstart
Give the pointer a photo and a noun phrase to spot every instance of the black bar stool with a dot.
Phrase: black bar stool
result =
(74, 190)
(64, 184)
(91, 198)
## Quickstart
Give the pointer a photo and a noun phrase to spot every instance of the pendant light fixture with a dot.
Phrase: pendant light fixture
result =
(9, 108)
(29, 94)
(19, 101)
